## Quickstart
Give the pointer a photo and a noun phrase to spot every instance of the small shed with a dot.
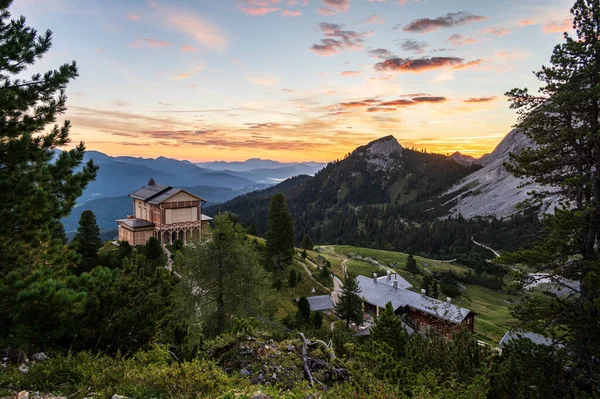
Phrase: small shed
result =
(321, 303)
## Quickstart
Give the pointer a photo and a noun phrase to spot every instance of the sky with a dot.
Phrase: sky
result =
(294, 80)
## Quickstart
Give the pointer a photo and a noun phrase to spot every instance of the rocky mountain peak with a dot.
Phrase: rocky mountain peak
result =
(379, 152)
(462, 159)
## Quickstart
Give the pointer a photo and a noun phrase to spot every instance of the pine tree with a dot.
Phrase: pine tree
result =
(317, 320)
(39, 185)
(227, 270)
(349, 305)
(154, 251)
(388, 328)
(303, 310)
(280, 236)
(411, 264)
(307, 243)
(563, 121)
(292, 278)
(87, 241)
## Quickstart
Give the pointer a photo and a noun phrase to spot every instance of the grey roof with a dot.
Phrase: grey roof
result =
(133, 223)
(402, 283)
(156, 193)
(149, 191)
(535, 338)
(321, 302)
(204, 217)
(380, 294)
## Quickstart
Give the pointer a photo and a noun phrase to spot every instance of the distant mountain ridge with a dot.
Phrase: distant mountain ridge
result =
(258, 163)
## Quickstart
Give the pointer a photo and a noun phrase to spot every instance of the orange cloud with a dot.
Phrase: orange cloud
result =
(133, 17)
(337, 5)
(497, 31)
(557, 26)
(468, 65)
(460, 40)
(350, 73)
(191, 24)
(425, 25)
(188, 48)
(290, 13)
(149, 41)
(373, 19)
(288, 90)
(480, 99)
(527, 22)
(418, 65)
(337, 39)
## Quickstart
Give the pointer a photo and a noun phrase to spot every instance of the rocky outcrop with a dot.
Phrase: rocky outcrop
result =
(492, 190)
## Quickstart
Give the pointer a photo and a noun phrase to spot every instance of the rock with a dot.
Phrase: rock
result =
(22, 395)
(291, 348)
(274, 377)
(115, 396)
(259, 395)
(23, 368)
(39, 357)
(245, 371)
(261, 377)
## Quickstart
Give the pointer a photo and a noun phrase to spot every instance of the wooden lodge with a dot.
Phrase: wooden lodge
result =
(164, 212)
(416, 310)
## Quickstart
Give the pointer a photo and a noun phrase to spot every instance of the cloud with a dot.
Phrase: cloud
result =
(480, 99)
(554, 26)
(381, 53)
(288, 90)
(325, 11)
(290, 13)
(460, 40)
(418, 65)
(187, 74)
(149, 42)
(337, 40)
(373, 19)
(350, 73)
(380, 109)
(414, 46)
(337, 5)
(185, 21)
(527, 22)
(262, 80)
(133, 17)
(468, 65)
(258, 7)
(424, 25)
(100, 50)
(187, 48)
(497, 31)
(428, 99)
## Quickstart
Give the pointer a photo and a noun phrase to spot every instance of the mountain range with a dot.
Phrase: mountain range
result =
(384, 184)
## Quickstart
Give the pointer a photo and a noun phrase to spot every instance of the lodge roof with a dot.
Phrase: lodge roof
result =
(154, 193)
(380, 293)
(535, 338)
(320, 302)
(136, 223)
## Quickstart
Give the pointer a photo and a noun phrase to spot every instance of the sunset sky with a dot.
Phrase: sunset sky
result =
(294, 80)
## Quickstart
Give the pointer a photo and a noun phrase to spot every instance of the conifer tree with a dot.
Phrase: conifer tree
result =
(388, 328)
(154, 251)
(411, 264)
(349, 305)
(280, 236)
(227, 270)
(563, 121)
(307, 243)
(38, 184)
(87, 241)
(303, 309)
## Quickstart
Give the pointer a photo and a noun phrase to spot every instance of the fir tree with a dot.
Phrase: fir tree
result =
(411, 264)
(154, 251)
(39, 186)
(280, 236)
(292, 278)
(388, 328)
(87, 241)
(349, 305)
(317, 320)
(563, 121)
(307, 243)
(227, 270)
(303, 310)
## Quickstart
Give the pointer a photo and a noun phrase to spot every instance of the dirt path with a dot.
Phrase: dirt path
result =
(310, 273)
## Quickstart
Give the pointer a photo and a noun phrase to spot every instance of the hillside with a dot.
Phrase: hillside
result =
(492, 190)
(335, 203)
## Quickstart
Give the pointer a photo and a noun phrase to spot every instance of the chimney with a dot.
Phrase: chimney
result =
(389, 275)
(151, 182)
(375, 278)
(422, 293)
(396, 284)
(396, 276)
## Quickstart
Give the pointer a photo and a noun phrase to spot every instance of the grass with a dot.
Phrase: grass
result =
(493, 313)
